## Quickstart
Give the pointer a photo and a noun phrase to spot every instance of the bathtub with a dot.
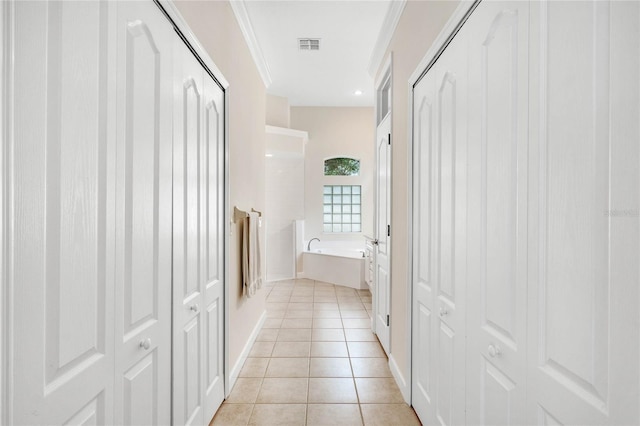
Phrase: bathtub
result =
(341, 266)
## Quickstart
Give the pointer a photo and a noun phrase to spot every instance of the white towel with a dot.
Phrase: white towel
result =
(251, 266)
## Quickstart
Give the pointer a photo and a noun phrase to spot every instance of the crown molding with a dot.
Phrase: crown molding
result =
(242, 16)
(391, 19)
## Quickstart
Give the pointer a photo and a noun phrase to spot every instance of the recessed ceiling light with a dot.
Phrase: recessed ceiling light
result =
(268, 155)
(358, 92)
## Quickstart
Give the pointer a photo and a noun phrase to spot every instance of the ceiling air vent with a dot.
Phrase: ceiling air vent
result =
(309, 43)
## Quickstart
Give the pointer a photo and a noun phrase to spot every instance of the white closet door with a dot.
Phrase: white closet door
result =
(445, 347)
(143, 239)
(498, 149)
(188, 282)
(583, 298)
(423, 380)
(61, 214)
(212, 207)
(383, 237)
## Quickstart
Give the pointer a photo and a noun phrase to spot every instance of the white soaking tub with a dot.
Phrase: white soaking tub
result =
(342, 266)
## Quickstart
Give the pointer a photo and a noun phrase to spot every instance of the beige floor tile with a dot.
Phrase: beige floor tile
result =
(244, 391)
(277, 306)
(326, 306)
(327, 335)
(261, 349)
(272, 323)
(254, 367)
(283, 391)
(232, 415)
(351, 306)
(378, 390)
(278, 414)
(300, 307)
(365, 350)
(333, 414)
(357, 323)
(268, 335)
(360, 335)
(327, 323)
(288, 367)
(330, 367)
(296, 323)
(332, 390)
(294, 335)
(276, 314)
(291, 349)
(389, 414)
(301, 299)
(298, 314)
(370, 367)
(277, 299)
(302, 292)
(325, 299)
(326, 314)
(354, 314)
(346, 291)
(329, 349)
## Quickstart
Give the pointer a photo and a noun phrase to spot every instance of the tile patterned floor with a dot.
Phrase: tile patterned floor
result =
(316, 362)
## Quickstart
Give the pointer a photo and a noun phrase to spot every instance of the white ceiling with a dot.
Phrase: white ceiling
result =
(348, 31)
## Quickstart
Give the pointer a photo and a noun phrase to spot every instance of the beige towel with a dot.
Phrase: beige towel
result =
(251, 265)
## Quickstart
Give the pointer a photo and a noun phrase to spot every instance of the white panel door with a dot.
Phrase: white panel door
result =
(188, 297)
(61, 214)
(583, 298)
(383, 238)
(212, 207)
(439, 256)
(450, 233)
(143, 219)
(423, 277)
(497, 256)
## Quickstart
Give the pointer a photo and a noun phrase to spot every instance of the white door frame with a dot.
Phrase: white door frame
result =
(387, 73)
(175, 16)
(450, 29)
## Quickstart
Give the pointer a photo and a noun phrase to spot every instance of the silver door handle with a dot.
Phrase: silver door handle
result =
(145, 344)
(494, 351)
(195, 308)
(375, 242)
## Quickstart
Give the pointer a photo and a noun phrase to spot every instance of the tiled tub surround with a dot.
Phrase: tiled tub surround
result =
(316, 362)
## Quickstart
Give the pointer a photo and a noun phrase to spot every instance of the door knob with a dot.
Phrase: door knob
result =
(145, 344)
(194, 308)
(494, 351)
(375, 242)
(443, 312)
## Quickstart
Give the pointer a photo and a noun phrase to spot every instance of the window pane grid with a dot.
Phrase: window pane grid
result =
(341, 208)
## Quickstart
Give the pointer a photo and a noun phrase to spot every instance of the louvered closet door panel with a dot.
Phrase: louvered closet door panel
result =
(61, 214)
(212, 267)
(583, 299)
(188, 270)
(498, 148)
(143, 239)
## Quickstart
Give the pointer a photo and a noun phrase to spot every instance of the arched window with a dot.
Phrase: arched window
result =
(341, 166)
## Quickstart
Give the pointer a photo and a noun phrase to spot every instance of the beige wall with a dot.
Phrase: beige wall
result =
(277, 111)
(336, 131)
(215, 26)
(419, 25)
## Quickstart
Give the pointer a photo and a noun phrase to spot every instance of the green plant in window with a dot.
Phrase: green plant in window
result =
(341, 167)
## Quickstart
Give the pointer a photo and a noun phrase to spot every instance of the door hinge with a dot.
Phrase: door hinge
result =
(389, 139)
(388, 230)
(387, 320)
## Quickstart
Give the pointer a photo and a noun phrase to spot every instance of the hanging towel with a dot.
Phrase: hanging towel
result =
(251, 265)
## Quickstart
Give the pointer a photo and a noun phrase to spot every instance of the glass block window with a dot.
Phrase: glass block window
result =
(341, 204)
(341, 167)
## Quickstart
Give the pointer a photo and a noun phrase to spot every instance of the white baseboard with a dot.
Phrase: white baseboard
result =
(405, 389)
(235, 371)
